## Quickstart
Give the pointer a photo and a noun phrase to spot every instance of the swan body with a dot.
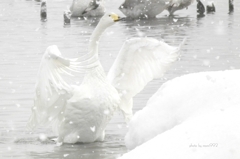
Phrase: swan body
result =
(149, 9)
(89, 109)
(92, 8)
(143, 9)
(81, 113)
(178, 5)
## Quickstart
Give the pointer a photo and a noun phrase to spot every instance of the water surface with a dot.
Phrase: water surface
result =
(213, 44)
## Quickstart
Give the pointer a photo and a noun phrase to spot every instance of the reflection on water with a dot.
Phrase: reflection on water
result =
(36, 149)
(212, 44)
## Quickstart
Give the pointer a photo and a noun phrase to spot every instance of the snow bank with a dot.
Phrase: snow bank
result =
(213, 135)
(176, 103)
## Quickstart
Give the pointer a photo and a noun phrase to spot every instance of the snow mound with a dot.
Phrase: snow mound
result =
(213, 135)
(180, 100)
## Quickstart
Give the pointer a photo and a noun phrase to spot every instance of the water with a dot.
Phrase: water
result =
(213, 44)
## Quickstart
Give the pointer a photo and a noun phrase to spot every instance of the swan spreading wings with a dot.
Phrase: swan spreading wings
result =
(81, 113)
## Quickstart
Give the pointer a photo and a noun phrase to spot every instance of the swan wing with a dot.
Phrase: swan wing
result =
(139, 61)
(51, 90)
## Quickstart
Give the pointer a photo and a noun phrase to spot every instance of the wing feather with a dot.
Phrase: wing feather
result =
(52, 91)
(139, 61)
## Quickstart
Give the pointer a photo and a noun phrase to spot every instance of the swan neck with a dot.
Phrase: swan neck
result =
(94, 40)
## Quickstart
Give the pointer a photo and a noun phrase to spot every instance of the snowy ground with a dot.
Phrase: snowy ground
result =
(193, 116)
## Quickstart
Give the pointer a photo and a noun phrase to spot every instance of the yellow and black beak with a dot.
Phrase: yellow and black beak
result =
(115, 17)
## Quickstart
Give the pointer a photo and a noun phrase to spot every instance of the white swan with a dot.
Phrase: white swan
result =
(87, 8)
(81, 113)
(151, 8)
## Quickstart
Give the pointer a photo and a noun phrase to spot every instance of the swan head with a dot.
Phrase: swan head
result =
(109, 19)
(114, 17)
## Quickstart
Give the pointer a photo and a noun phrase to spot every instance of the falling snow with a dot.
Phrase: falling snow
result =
(65, 155)
(93, 128)
(212, 45)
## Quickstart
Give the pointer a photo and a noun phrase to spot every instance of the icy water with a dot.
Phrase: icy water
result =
(213, 43)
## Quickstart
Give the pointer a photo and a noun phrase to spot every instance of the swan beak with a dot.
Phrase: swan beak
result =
(115, 17)
(118, 19)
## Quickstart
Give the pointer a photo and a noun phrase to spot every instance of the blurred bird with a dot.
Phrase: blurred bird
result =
(211, 7)
(67, 16)
(231, 6)
(149, 9)
(200, 8)
(87, 8)
(178, 5)
(43, 11)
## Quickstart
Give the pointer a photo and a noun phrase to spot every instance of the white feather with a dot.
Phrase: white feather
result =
(52, 91)
(139, 61)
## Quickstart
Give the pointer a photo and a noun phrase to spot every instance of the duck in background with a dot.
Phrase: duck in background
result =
(231, 6)
(211, 7)
(43, 10)
(142, 9)
(149, 9)
(200, 8)
(178, 5)
(67, 17)
(88, 8)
